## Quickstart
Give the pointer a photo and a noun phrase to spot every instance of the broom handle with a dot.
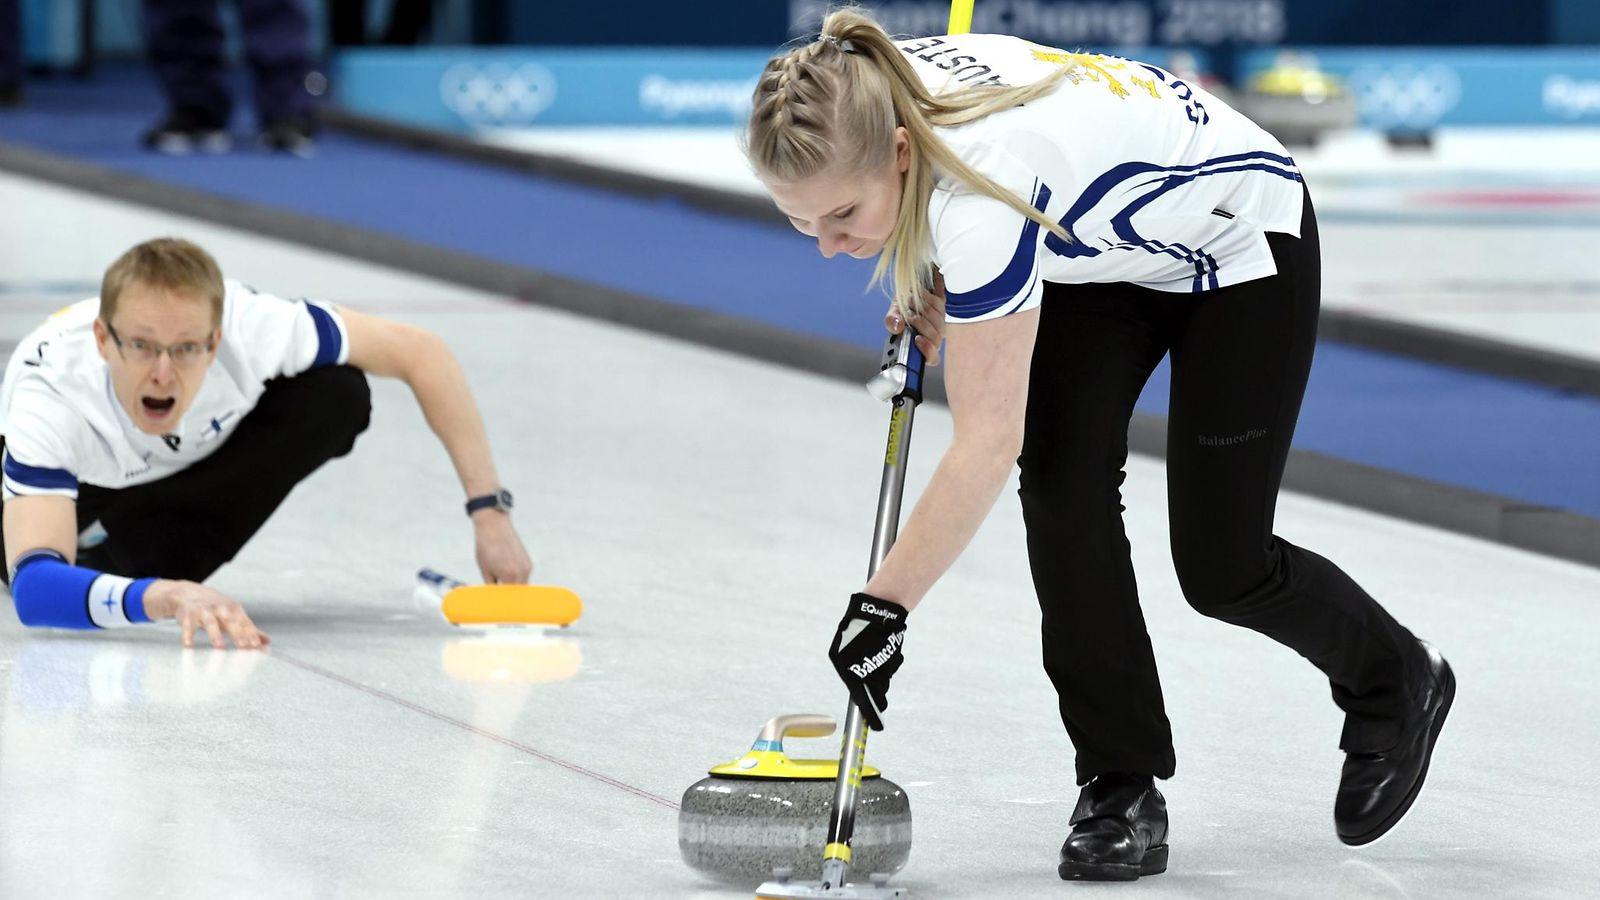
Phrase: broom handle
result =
(901, 372)
(960, 16)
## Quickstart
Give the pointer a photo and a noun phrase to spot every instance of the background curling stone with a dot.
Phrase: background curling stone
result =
(765, 811)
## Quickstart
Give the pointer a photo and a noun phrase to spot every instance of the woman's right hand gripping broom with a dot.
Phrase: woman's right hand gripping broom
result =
(929, 323)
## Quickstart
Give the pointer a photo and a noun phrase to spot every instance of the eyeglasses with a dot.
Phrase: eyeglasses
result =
(185, 355)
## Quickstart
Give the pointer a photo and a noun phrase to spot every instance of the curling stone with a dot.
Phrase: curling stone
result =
(765, 811)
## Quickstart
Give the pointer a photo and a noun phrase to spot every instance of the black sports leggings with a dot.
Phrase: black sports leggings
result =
(1240, 358)
(187, 525)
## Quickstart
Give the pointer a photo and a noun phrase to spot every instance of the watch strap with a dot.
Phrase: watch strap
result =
(500, 500)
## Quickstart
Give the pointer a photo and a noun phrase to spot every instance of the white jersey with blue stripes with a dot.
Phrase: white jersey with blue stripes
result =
(1159, 183)
(63, 425)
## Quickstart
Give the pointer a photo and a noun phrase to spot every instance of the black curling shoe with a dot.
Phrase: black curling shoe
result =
(1119, 831)
(1376, 789)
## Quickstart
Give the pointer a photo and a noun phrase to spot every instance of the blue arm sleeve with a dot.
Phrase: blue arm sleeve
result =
(51, 594)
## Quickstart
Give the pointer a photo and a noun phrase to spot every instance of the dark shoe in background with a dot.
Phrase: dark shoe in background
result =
(188, 131)
(10, 94)
(1376, 789)
(292, 136)
(1119, 831)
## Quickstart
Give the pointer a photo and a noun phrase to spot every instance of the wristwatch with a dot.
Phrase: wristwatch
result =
(500, 500)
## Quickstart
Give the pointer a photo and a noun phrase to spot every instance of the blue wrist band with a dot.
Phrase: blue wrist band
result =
(51, 594)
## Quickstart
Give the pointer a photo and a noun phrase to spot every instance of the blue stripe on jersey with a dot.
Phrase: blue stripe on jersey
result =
(329, 342)
(1017, 278)
(1166, 178)
(1205, 266)
(37, 477)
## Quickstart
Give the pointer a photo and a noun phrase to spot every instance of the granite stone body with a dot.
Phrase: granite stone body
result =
(742, 829)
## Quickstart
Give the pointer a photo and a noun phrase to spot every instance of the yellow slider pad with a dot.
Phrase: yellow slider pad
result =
(511, 604)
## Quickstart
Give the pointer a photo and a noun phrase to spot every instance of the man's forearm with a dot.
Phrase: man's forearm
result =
(446, 401)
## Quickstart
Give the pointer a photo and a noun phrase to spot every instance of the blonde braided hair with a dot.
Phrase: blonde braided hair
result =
(833, 105)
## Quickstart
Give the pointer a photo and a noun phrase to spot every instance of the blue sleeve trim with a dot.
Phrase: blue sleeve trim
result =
(330, 343)
(51, 594)
(37, 477)
(1017, 276)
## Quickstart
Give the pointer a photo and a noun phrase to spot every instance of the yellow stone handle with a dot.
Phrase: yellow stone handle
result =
(801, 725)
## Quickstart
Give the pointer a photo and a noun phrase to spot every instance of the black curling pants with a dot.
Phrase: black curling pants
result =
(1240, 359)
(187, 525)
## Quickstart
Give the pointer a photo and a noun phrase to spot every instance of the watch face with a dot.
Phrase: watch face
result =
(503, 499)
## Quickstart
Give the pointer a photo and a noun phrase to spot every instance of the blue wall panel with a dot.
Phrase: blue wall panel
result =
(474, 88)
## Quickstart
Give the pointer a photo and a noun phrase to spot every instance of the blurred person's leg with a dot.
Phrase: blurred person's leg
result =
(408, 19)
(347, 23)
(277, 44)
(10, 53)
(184, 41)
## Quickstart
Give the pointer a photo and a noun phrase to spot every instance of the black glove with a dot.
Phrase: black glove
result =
(866, 652)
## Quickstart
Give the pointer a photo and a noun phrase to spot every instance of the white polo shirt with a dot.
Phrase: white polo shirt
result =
(1160, 183)
(63, 425)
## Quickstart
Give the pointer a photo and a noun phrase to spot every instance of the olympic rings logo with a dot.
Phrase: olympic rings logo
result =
(1411, 96)
(498, 94)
